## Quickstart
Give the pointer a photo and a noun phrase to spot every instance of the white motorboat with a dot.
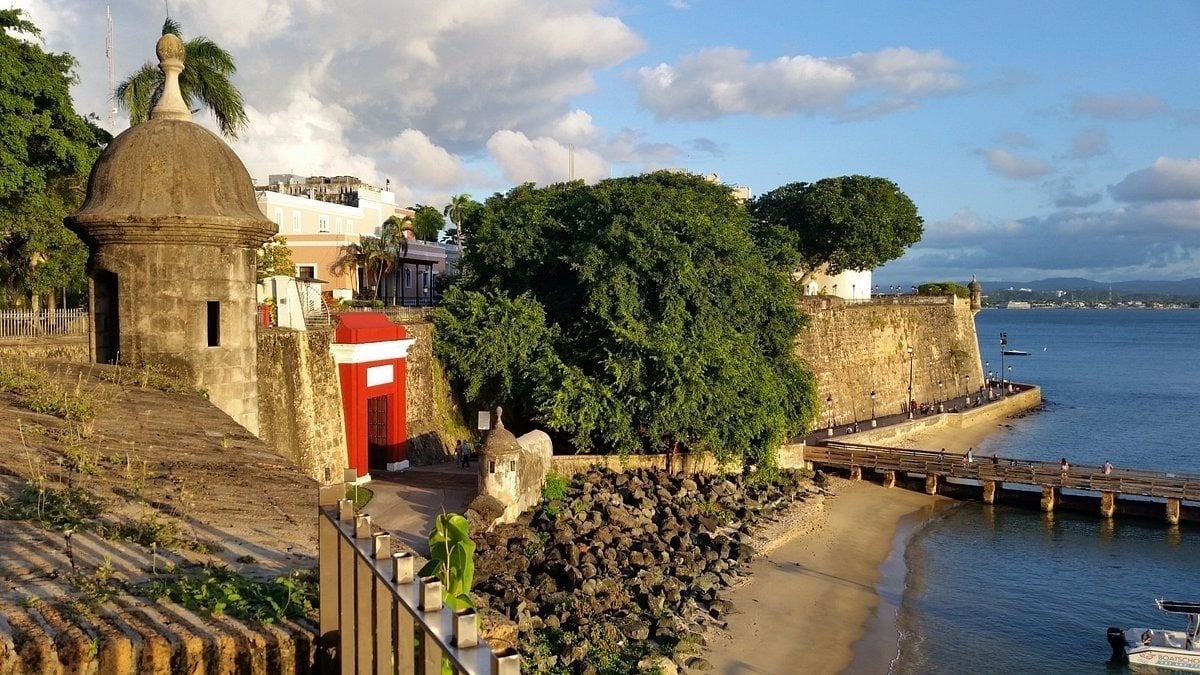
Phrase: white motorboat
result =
(1154, 649)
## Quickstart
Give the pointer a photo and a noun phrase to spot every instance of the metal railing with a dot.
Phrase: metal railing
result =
(46, 323)
(375, 617)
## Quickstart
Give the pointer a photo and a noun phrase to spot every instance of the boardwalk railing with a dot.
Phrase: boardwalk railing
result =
(46, 323)
(377, 618)
(1008, 470)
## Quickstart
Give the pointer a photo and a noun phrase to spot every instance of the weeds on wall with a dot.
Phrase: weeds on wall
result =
(218, 590)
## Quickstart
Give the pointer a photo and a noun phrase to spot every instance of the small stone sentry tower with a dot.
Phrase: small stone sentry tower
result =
(498, 464)
(172, 225)
(976, 290)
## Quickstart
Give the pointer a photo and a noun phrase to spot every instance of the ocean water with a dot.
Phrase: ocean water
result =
(996, 589)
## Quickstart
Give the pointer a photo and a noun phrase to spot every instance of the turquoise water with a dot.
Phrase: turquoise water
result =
(1006, 590)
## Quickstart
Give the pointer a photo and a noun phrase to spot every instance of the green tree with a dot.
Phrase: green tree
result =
(275, 259)
(351, 258)
(394, 235)
(944, 288)
(663, 326)
(375, 256)
(46, 152)
(206, 78)
(846, 223)
(427, 222)
(460, 208)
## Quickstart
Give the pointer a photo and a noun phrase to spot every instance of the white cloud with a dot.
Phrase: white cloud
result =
(722, 81)
(574, 127)
(1167, 178)
(543, 160)
(421, 162)
(1118, 106)
(1013, 166)
(1089, 143)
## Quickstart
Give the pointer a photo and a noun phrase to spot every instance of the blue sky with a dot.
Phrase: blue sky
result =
(1037, 139)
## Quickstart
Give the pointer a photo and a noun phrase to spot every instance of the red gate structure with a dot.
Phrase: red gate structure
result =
(370, 353)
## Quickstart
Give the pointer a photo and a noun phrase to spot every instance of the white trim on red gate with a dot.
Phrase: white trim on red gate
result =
(369, 352)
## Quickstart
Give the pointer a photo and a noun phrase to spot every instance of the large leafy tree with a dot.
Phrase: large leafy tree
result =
(46, 152)
(846, 223)
(427, 222)
(274, 258)
(632, 315)
(393, 236)
(207, 73)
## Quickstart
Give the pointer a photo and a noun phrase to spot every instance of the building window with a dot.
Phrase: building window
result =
(323, 224)
(278, 217)
(306, 272)
(349, 226)
(214, 323)
(295, 221)
(407, 278)
(337, 225)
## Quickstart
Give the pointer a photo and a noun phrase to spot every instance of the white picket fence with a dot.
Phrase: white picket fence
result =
(46, 323)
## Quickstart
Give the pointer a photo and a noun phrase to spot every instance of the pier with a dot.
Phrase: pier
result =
(994, 479)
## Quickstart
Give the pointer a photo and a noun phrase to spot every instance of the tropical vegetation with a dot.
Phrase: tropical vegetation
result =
(633, 315)
(46, 153)
(206, 79)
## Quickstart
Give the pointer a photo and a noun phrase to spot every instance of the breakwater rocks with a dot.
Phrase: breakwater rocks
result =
(626, 566)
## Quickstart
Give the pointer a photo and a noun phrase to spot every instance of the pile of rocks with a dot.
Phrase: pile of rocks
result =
(626, 564)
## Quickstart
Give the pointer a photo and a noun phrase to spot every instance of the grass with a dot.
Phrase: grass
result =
(59, 509)
(360, 496)
(217, 590)
(146, 376)
(37, 391)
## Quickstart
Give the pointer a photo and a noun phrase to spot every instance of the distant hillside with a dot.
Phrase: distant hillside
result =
(1184, 287)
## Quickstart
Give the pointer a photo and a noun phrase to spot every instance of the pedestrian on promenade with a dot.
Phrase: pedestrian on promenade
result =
(1064, 465)
(1107, 468)
(466, 453)
(970, 455)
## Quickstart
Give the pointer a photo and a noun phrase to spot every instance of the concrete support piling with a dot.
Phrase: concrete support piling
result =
(1108, 504)
(889, 479)
(931, 484)
(1049, 498)
(989, 491)
(856, 473)
(1172, 511)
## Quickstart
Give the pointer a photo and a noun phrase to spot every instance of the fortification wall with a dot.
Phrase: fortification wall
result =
(300, 401)
(855, 348)
(73, 349)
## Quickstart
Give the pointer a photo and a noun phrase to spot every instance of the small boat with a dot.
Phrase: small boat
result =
(1154, 649)
(1013, 352)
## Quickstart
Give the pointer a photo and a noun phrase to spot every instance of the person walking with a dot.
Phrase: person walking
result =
(466, 453)
(1107, 468)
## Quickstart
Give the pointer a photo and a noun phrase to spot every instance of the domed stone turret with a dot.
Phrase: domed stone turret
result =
(976, 290)
(498, 459)
(172, 224)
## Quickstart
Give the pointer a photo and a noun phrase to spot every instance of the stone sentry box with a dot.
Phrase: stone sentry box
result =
(370, 352)
(172, 225)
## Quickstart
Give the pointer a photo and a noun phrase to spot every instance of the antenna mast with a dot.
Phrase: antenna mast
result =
(112, 73)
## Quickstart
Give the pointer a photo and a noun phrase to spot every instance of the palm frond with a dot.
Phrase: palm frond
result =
(137, 93)
(172, 26)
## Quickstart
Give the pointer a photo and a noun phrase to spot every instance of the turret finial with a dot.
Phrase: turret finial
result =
(170, 104)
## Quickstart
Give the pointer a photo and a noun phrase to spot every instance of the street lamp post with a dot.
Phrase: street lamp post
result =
(873, 422)
(1003, 343)
(829, 408)
(909, 403)
(1009, 379)
(967, 389)
(939, 396)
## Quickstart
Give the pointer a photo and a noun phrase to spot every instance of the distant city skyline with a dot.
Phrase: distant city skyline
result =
(1037, 139)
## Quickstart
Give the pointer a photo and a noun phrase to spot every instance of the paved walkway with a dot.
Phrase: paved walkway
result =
(406, 502)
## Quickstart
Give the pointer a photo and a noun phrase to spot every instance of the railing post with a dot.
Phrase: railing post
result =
(385, 601)
(431, 603)
(403, 624)
(364, 610)
(346, 565)
(327, 571)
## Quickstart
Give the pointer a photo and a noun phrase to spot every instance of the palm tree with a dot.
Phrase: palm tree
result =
(456, 211)
(350, 259)
(394, 235)
(205, 77)
(374, 252)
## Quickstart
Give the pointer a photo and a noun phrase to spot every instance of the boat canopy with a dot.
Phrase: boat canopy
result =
(1179, 607)
(1013, 352)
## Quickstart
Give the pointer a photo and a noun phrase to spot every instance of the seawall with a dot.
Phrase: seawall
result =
(853, 349)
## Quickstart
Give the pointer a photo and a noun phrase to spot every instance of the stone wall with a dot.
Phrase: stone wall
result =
(300, 401)
(854, 348)
(73, 349)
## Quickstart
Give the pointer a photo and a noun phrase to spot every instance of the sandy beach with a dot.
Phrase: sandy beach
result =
(813, 593)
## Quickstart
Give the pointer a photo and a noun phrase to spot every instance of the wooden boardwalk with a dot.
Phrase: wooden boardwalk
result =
(994, 473)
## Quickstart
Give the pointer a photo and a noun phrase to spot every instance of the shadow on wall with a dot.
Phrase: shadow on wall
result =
(427, 448)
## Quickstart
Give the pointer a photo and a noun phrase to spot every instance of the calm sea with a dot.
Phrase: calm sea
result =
(1004, 590)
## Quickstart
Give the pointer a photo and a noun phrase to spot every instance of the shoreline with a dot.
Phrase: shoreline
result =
(824, 592)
